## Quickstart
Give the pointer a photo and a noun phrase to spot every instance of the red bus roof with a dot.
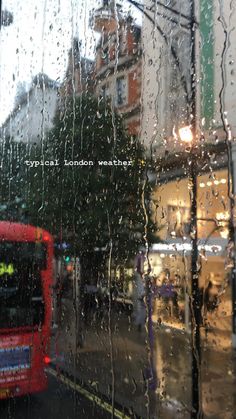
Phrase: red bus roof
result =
(23, 232)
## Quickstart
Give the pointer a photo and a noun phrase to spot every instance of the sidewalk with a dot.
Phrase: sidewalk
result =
(119, 358)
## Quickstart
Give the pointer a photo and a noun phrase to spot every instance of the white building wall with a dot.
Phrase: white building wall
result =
(159, 123)
(34, 117)
(225, 62)
(164, 105)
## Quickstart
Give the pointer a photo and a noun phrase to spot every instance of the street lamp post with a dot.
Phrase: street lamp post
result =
(196, 301)
(189, 134)
(232, 234)
(186, 134)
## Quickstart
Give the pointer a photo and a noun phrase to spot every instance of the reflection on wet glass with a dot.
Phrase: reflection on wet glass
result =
(117, 212)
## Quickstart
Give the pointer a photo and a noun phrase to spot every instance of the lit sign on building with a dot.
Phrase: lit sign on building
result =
(181, 247)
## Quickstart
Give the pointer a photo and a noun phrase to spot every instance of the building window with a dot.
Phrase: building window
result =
(105, 92)
(121, 91)
(123, 42)
(105, 56)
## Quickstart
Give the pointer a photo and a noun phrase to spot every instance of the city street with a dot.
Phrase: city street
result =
(120, 372)
(58, 402)
(123, 359)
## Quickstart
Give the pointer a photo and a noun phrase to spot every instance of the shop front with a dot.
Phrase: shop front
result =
(172, 280)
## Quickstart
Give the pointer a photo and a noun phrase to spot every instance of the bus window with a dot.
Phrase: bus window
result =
(21, 294)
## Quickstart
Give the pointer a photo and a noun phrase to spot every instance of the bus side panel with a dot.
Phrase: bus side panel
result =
(22, 364)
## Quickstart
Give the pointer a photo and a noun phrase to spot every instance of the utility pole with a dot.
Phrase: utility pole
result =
(232, 233)
(196, 298)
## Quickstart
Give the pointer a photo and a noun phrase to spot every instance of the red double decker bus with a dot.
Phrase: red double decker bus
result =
(26, 269)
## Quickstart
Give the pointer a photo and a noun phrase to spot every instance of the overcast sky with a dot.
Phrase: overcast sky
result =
(39, 40)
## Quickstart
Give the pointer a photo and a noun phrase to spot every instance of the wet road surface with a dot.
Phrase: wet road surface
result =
(58, 402)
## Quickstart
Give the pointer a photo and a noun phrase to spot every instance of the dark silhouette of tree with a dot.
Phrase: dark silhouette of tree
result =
(93, 206)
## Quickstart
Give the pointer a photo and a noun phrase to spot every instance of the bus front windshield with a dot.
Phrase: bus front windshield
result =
(21, 292)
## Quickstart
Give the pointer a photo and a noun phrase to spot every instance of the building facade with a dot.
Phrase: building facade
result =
(166, 108)
(33, 115)
(115, 75)
(118, 62)
(166, 74)
(79, 76)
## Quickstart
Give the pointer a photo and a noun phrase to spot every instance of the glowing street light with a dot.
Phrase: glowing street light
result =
(186, 134)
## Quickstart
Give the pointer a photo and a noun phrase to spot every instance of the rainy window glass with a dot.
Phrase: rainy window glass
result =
(117, 209)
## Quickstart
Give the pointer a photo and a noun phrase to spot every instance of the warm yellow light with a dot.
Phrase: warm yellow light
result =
(224, 233)
(186, 134)
(224, 215)
(202, 185)
(223, 218)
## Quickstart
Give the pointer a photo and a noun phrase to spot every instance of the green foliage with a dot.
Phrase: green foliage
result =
(13, 180)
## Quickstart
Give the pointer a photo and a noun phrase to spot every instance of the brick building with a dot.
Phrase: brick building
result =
(79, 74)
(115, 75)
(118, 62)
